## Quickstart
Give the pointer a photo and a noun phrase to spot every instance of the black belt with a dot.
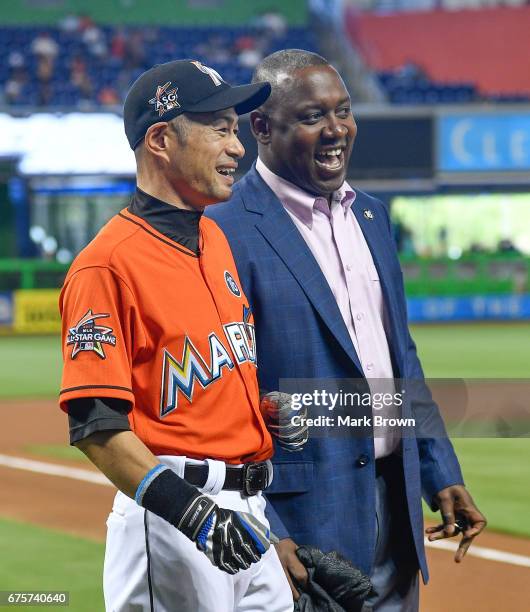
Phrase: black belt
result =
(249, 478)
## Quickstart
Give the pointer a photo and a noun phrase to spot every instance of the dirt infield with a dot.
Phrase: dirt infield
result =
(81, 508)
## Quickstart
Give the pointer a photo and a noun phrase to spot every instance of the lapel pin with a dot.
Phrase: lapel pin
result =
(368, 214)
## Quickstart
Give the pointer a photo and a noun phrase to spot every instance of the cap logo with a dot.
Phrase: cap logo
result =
(213, 74)
(165, 100)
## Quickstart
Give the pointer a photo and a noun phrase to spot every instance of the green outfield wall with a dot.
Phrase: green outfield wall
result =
(162, 12)
(424, 277)
(29, 289)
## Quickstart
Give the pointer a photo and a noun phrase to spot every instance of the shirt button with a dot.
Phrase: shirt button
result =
(348, 267)
(363, 460)
(359, 316)
(370, 366)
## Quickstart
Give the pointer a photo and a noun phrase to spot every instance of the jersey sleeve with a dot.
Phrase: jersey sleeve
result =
(86, 415)
(101, 334)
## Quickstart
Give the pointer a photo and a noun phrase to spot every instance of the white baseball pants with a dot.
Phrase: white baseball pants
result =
(151, 567)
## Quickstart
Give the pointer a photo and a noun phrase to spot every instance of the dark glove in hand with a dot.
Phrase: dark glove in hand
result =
(334, 584)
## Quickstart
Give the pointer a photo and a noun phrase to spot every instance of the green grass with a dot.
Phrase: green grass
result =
(37, 559)
(56, 451)
(31, 366)
(480, 350)
(497, 471)
(497, 474)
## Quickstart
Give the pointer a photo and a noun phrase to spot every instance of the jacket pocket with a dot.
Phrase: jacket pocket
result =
(291, 477)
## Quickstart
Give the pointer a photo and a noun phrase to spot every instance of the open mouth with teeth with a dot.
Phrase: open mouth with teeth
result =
(224, 171)
(330, 160)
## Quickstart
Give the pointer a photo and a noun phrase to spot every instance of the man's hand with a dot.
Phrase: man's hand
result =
(459, 515)
(292, 566)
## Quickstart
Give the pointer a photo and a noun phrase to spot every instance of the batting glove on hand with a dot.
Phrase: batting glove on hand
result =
(231, 540)
(277, 411)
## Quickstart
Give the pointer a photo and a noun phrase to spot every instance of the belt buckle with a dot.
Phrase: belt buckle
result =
(255, 478)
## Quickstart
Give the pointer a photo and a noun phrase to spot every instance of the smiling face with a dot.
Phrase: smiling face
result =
(306, 137)
(203, 157)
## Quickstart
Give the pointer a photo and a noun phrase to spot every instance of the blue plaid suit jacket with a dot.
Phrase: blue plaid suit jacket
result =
(325, 495)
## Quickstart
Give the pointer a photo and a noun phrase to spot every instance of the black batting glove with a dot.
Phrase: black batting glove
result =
(231, 540)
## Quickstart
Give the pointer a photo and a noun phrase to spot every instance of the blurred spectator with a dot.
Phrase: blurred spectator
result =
(95, 42)
(215, 50)
(404, 239)
(44, 70)
(507, 247)
(46, 50)
(244, 43)
(250, 58)
(443, 240)
(108, 96)
(85, 22)
(44, 46)
(249, 53)
(44, 74)
(135, 50)
(102, 63)
(272, 23)
(118, 45)
(476, 248)
(45, 94)
(15, 86)
(411, 72)
(16, 60)
(80, 79)
(69, 23)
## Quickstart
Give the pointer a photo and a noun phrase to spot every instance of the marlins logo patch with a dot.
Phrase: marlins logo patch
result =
(165, 99)
(86, 335)
(231, 284)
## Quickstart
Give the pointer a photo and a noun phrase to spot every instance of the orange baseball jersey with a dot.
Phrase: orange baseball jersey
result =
(148, 321)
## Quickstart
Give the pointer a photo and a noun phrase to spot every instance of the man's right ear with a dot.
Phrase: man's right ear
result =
(156, 140)
(260, 126)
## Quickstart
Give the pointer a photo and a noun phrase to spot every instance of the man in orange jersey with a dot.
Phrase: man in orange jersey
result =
(159, 378)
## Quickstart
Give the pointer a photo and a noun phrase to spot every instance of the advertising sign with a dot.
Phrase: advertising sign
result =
(472, 308)
(36, 311)
(484, 142)
(6, 309)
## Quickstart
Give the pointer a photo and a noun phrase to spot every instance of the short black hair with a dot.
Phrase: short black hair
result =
(280, 64)
(181, 126)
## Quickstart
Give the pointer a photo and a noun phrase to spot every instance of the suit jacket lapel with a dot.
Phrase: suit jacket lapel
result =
(281, 233)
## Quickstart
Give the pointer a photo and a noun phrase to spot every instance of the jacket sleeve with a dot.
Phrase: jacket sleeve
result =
(277, 526)
(439, 465)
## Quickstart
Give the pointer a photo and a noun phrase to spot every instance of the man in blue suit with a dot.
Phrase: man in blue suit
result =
(319, 266)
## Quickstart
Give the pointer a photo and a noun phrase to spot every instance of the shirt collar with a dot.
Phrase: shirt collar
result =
(300, 203)
(181, 226)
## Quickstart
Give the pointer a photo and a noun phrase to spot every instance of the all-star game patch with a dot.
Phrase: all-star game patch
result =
(85, 335)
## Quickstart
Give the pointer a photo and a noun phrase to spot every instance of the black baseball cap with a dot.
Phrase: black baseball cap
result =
(183, 86)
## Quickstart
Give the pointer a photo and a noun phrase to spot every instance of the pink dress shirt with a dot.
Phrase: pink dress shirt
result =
(340, 249)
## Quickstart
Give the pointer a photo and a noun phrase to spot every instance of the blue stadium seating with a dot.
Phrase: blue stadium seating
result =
(167, 44)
